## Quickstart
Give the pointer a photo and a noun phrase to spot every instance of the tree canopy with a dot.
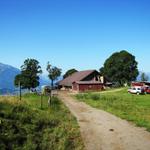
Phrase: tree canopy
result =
(120, 67)
(69, 72)
(29, 76)
(54, 73)
(18, 80)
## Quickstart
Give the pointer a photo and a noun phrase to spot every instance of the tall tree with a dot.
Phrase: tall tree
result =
(29, 76)
(53, 73)
(120, 67)
(69, 72)
(18, 80)
(144, 77)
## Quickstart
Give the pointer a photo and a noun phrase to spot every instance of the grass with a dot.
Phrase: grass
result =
(25, 126)
(135, 108)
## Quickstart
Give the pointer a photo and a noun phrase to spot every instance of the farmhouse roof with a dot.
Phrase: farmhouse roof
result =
(77, 76)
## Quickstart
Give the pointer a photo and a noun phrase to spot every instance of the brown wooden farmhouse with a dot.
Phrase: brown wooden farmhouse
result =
(81, 81)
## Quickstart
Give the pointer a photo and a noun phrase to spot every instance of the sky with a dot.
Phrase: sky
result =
(79, 34)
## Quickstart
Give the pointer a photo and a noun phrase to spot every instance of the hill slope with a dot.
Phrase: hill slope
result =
(25, 126)
(7, 75)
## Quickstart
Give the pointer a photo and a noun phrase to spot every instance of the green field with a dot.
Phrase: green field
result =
(135, 108)
(25, 126)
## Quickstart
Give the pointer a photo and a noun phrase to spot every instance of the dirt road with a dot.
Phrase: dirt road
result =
(103, 131)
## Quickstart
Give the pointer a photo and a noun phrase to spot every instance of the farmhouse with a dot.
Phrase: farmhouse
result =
(83, 81)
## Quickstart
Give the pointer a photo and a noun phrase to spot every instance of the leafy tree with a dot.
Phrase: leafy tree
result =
(69, 72)
(144, 77)
(54, 73)
(29, 76)
(120, 67)
(18, 80)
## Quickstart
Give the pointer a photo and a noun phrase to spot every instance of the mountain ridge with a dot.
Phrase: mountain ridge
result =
(7, 76)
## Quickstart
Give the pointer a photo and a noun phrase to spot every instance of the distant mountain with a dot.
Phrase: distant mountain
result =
(7, 76)
(44, 80)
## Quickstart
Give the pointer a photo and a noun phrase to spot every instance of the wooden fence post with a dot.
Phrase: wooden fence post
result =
(41, 100)
(20, 95)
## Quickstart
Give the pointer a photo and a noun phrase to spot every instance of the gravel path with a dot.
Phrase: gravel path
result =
(103, 131)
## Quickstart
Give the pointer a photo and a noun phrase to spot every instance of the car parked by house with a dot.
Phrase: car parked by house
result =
(136, 90)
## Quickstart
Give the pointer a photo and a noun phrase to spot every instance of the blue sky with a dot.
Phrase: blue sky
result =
(77, 34)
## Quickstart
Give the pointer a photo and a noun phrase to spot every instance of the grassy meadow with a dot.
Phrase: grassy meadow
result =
(25, 126)
(135, 108)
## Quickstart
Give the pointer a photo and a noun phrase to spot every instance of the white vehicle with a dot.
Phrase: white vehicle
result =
(136, 90)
